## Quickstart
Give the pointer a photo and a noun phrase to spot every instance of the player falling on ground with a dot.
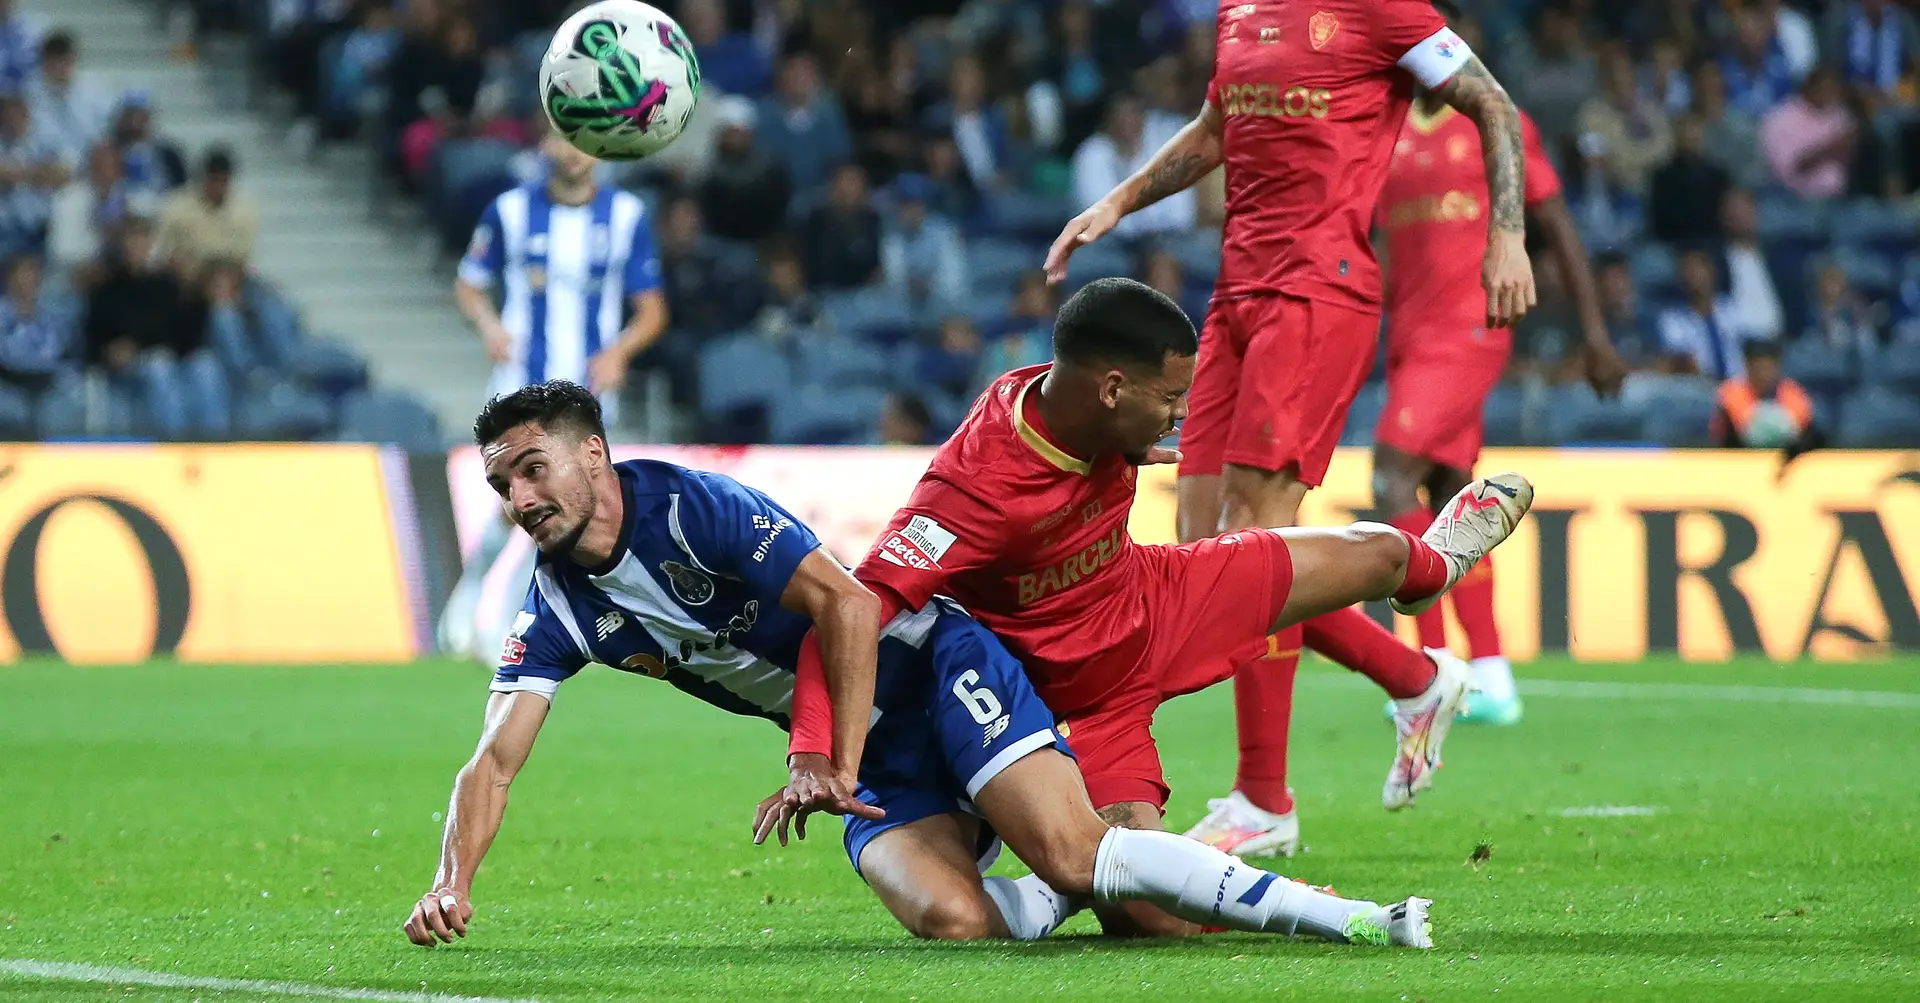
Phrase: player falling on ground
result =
(699, 581)
(578, 279)
(1442, 358)
(1022, 518)
(1303, 108)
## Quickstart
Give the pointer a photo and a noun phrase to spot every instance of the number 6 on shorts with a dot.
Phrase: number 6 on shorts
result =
(981, 703)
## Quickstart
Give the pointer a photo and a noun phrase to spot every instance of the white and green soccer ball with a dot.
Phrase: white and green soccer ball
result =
(620, 80)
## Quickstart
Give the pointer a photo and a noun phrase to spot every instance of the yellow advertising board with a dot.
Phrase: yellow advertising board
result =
(209, 553)
(1700, 553)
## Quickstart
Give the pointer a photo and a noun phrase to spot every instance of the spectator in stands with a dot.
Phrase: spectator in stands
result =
(802, 125)
(71, 112)
(1762, 409)
(841, 238)
(880, 113)
(787, 307)
(921, 256)
(31, 171)
(149, 164)
(249, 350)
(1810, 140)
(210, 221)
(1841, 316)
(1077, 72)
(87, 213)
(40, 392)
(1730, 138)
(953, 193)
(729, 60)
(1560, 76)
(950, 364)
(1664, 81)
(1757, 71)
(1110, 156)
(978, 129)
(147, 335)
(1629, 326)
(1756, 303)
(1632, 133)
(1701, 334)
(1793, 35)
(1683, 203)
(1025, 338)
(747, 189)
(19, 46)
(904, 421)
(360, 65)
(704, 295)
(1874, 43)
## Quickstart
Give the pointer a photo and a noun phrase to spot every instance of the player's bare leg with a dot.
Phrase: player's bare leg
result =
(1167, 884)
(1397, 480)
(1197, 513)
(926, 875)
(1494, 699)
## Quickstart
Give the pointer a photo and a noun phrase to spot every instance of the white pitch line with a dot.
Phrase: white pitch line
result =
(61, 971)
(1731, 694)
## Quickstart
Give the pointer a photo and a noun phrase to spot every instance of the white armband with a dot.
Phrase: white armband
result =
(1436, 58)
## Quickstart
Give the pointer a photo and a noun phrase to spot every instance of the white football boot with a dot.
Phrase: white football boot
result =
(1420, 727)
(1480, 518)
(1402, 924)
(1240, 827)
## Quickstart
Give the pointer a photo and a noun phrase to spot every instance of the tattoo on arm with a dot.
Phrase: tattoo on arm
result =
(1187, 157)
(1474, 92)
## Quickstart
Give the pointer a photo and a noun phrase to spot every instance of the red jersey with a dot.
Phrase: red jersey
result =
(1433, 214)
(1313, 94)
(1031, 540)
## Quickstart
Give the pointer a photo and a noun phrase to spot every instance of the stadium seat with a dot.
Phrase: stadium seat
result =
(1028, 216)
(1364, 416)
(1096, 261)
(1785, 218)
(1868, 271)
(875, 313)
(329, 367)
(1819, 367)
(1198, 252)
(1897, 369)
(1681, 417)
(995, 263)
(740, 376)
(989, 310)
(837, 360)
(282, 411)
(1506, 416)
(1885, 228)
(393, 418)
(1877, 418)
(1576, 415)
(826, 415)
(1653, 266)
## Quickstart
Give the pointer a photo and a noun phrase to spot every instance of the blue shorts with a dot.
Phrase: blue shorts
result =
(957, 710)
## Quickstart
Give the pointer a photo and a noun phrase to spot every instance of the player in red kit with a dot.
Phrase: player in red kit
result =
(1022, 518)
(1305, 103)
(1442, 359)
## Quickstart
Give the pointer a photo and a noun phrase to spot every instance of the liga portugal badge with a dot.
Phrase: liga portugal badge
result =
(1321, 28)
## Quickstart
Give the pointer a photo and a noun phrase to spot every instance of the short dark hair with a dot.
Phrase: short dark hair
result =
(1760, 348)
(1117, 321)
(58, 45)
(219, 160)
(552, 405)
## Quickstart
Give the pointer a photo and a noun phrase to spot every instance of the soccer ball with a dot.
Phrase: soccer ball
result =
(620, 80)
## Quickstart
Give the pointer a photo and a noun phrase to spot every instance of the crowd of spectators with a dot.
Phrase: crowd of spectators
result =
(846, 151)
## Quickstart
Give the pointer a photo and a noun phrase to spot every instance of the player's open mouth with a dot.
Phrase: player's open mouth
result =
(533, 521)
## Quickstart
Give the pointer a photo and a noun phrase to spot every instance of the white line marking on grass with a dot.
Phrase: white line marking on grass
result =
(1610, 811)
(1730, 694)
(61, 971)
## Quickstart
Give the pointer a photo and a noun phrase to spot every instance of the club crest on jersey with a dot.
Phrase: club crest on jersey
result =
(691, 585)
(1321, 28)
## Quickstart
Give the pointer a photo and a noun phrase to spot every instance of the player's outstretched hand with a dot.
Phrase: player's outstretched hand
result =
(812, 785)
(1161, 454)
(440, 915)
(1083, 229)
(1507, 276)
(1605, 369)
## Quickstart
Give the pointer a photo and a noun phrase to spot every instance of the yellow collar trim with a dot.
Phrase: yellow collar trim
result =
(1031, 436)
(1425, 124)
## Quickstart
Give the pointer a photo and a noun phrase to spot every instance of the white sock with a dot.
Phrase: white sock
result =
(1202, 885)
(1031, 908)
(1493, 675)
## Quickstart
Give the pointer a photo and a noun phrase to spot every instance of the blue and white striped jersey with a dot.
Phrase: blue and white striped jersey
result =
(691, 596)
(567, 275)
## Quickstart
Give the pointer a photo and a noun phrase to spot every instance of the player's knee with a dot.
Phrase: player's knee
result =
(953, 917)
(1378, 552)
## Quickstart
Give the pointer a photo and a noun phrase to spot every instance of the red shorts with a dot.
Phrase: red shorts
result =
(1210, 606)
(1275, 379)
(1438, 380)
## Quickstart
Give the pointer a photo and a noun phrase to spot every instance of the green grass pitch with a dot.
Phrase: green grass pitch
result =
(277, 824)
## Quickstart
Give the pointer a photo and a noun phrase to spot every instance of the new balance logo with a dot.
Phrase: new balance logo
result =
(996, 729)
(604, 627)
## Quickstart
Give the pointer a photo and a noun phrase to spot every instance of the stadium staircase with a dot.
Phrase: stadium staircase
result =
(371, 283)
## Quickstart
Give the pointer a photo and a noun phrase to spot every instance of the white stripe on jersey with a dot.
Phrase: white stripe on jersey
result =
(556, 598)
(679, 536)
(740, 672)
(574, 310)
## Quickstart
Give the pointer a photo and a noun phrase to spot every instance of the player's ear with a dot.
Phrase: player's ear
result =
(1111, 383)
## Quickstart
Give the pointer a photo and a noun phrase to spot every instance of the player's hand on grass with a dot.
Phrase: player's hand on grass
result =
(1084, 229)
(1507, 276)
(812, 785)
(440, 915)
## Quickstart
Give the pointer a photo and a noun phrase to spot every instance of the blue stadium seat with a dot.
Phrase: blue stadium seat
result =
(1682, 416)
(868, 313)
(1784, 218)
(1819, 367)
(826, 415)
(329, 367)
(1868, 271)
(1364, 416)
(1653, 266)
(1885, 228)
(996, 263)
(282, 411)
(1576, 415)
(1198, 252)
(394, 418)
(1506, 416)
(1897, 369)
(742, 372)
(1877, 418)
(835, 360)
(989, 310)
(1028, 216)
(1096, 261)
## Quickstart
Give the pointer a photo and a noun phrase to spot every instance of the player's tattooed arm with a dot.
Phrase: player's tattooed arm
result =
(1190, 155)
(1473, 92)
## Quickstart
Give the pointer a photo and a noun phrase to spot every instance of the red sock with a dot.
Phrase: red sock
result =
(1431, 625)
(1426, 571)
(1263, 710)
(1472, 598)
(1352, 638)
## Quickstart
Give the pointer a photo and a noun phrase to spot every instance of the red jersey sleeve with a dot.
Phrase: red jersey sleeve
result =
(1543, 182)
(942, 531)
